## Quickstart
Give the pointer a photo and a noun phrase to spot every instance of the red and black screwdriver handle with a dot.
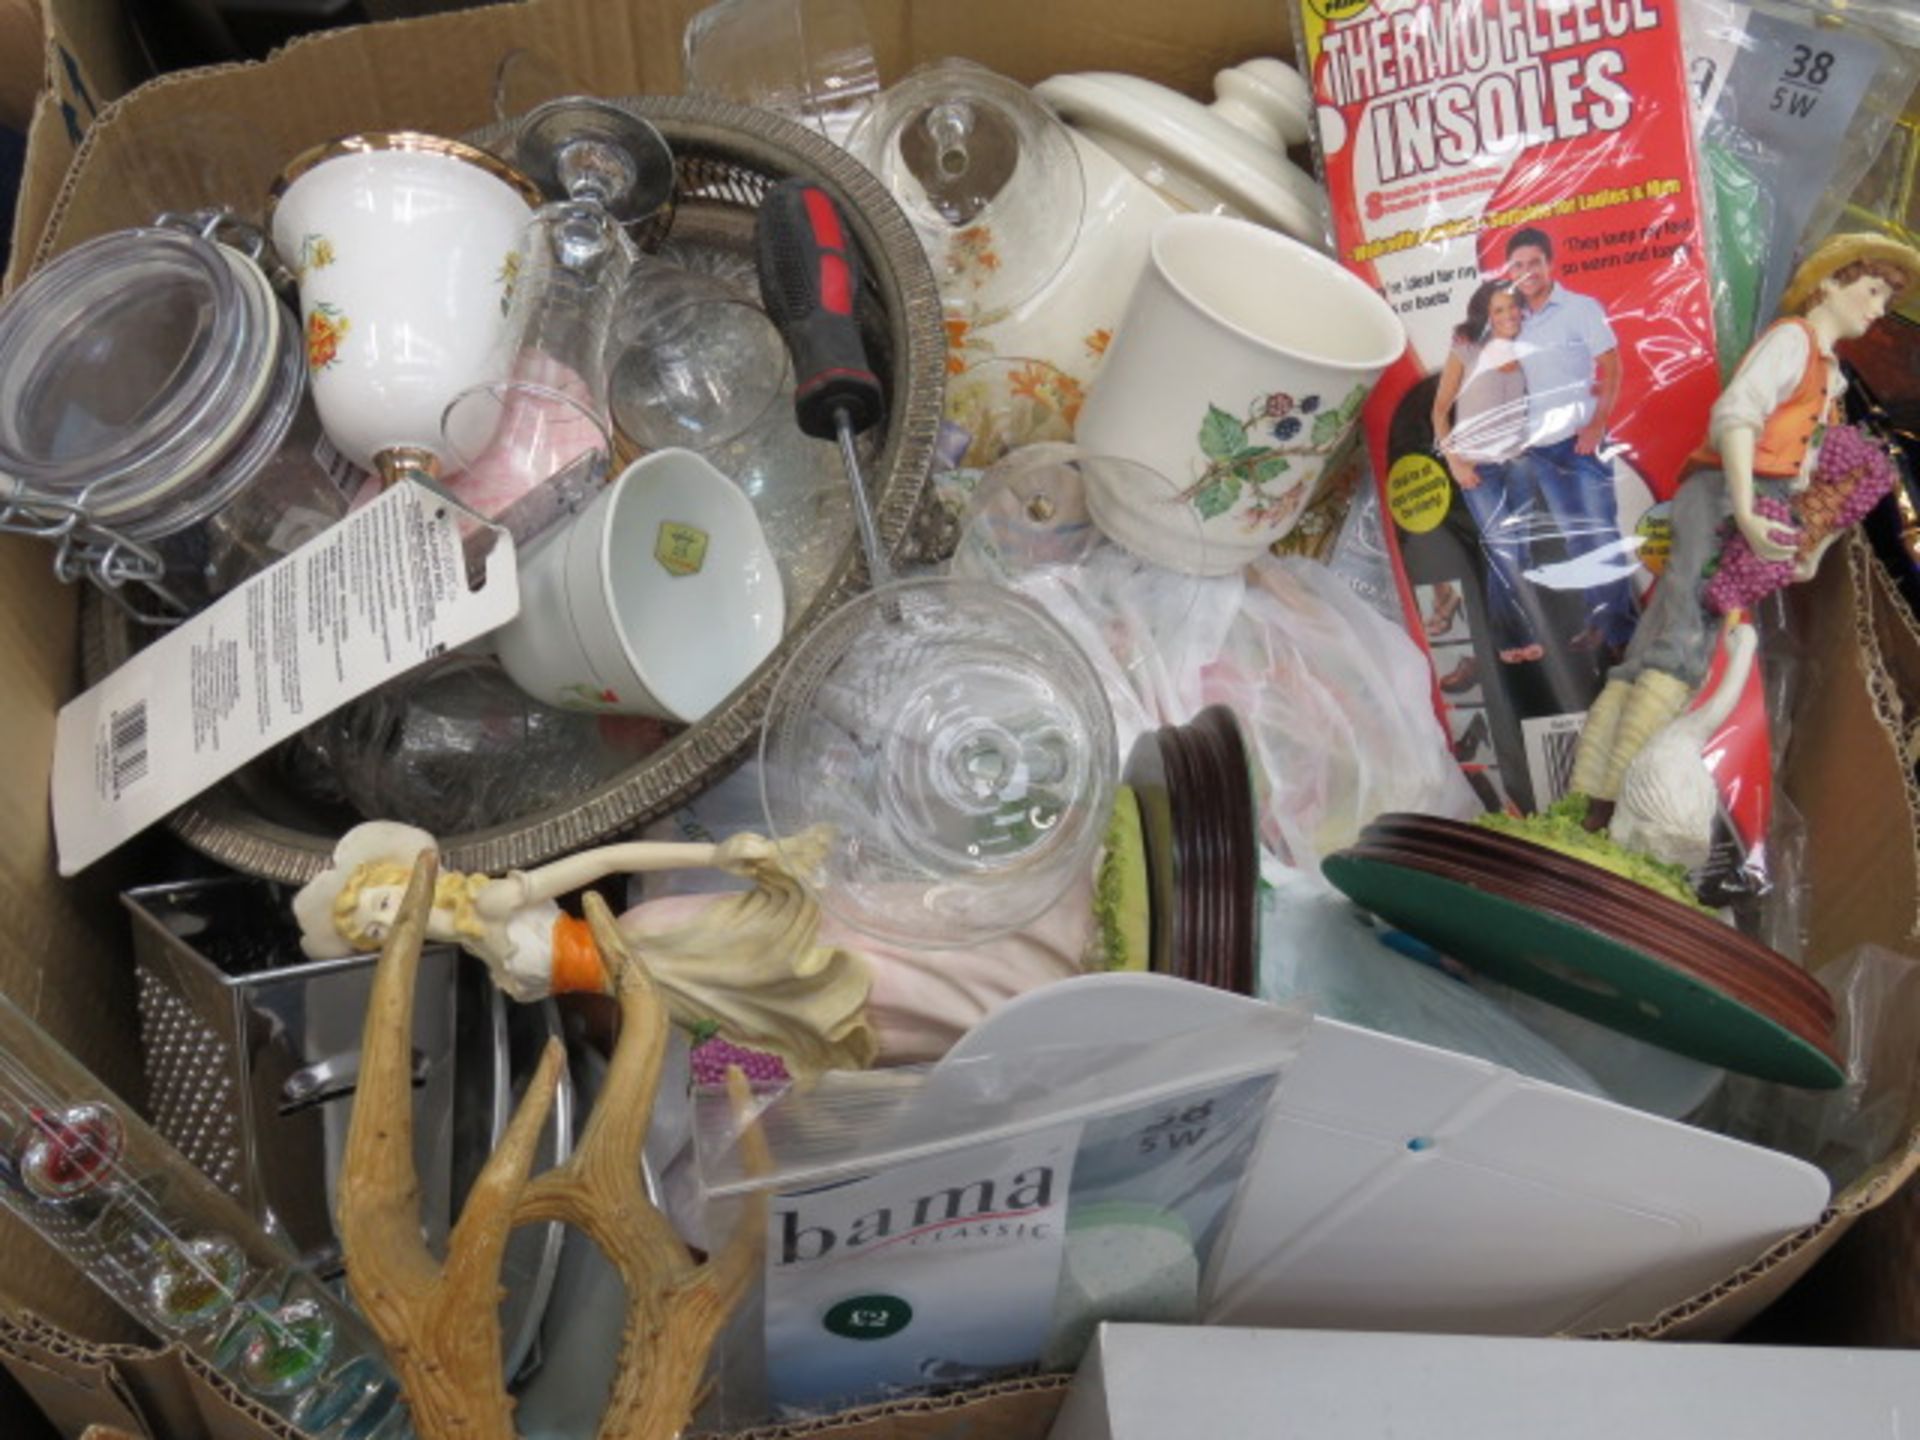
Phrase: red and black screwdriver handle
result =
(809, 278)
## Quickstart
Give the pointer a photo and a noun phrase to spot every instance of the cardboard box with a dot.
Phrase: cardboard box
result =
(218, 136)
(22, 73)
(76, 57)
(1147, 1382)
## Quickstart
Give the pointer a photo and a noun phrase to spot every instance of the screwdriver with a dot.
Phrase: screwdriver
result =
(809, 278)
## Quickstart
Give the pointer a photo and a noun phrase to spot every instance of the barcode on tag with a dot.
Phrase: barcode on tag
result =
(345, 475)
(1550, 742)
(127, 747)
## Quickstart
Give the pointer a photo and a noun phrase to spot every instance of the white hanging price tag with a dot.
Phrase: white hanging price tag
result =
(370, 598)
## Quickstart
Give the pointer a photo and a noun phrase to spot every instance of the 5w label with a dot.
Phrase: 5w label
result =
(1809, 68)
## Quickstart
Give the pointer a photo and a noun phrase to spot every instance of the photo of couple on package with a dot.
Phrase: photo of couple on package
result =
(1537, 420)
(1520, 418)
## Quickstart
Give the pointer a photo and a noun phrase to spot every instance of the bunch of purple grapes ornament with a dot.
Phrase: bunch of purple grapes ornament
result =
(1740, 578)
(1853, 474)
(712, 1057)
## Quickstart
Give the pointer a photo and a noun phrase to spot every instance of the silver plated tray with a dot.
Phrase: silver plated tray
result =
(727, 157)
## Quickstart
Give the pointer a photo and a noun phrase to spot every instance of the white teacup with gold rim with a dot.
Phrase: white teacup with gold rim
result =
(660, 598)
(405, 248)
(1238, 370)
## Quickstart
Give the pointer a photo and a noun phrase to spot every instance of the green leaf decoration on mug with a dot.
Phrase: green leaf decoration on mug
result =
(1247, 454)
(1268, 468)
(1217, 497)
(1329, 426)
(1221, 436)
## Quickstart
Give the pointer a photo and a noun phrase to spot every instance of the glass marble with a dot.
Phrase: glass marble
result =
(195, 1281)
(286, 1349)
(67, 1154)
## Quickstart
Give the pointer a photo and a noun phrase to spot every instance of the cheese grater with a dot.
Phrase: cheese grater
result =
(252, 1051)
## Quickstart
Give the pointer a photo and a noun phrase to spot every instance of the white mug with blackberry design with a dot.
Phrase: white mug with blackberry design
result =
(1238, 372)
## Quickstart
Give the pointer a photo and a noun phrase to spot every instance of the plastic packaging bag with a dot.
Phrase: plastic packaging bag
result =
(1151, 634)
(456, 746)
(1794, 99)
(1337, 707)
(1848, 1131)
(1520, 182)
(1630, 1072)
(1334, 700)
(1319, 947)
(1360, 555)
(937, 1228)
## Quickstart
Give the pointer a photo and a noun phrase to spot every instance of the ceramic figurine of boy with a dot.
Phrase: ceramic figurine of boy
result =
(1763, 448)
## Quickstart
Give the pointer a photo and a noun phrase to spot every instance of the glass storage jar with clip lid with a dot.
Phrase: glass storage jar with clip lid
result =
(153, 420)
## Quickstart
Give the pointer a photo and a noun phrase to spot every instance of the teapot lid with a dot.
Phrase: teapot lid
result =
(1185, 149)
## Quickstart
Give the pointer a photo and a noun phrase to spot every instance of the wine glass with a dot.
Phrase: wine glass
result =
(592, 150)
(536, 443)
(693, 363)
(957, 746)
(988, 176)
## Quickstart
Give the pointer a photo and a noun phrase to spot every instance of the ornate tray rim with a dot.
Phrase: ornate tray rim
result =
(223, 826)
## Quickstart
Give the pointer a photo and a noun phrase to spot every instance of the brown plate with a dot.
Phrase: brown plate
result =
(1538, 859)
(1813, 1024)
(1199, 900)
(1218, 727)
(1776, 985)
(1583, 970)
(1519, 859)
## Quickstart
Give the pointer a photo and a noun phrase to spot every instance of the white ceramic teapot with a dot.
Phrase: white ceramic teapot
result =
(1146, 152)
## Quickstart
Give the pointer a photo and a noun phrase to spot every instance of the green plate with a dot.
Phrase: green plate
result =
(1610, 983)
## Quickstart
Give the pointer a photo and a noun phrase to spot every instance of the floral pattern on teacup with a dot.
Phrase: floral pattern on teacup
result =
(316, 253)
(508, 277)
(1247, 457)
(1325, 507)
(326, 326)
(581, 694)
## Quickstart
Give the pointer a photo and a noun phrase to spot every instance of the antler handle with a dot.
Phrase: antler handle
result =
(441, 1322)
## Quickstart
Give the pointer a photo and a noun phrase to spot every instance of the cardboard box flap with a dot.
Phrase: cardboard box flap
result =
(219, 136)
(74, 1402)
(1844, 757)
(64, 959)
(22, 74)
(1011, 1410)
(90, 59)
(93, 56)
(74, 1389)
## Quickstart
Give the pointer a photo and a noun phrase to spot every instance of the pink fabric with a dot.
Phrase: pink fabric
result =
(923, 1001)
(537, 437)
